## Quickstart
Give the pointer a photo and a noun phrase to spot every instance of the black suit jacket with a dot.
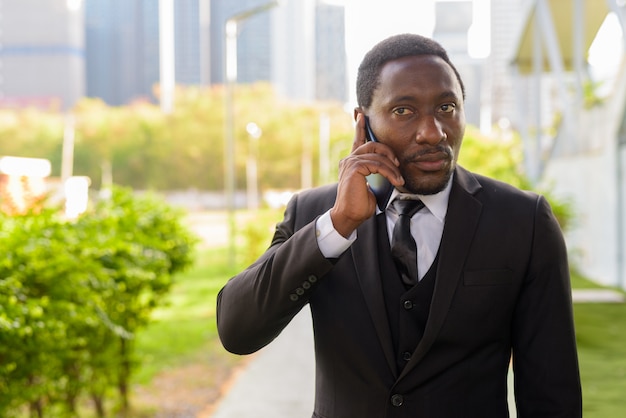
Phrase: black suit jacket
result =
(502, 287)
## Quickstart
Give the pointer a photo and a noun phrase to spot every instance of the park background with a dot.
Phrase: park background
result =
(140, 94)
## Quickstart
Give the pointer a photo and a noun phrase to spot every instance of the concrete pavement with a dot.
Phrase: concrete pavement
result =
(279, 382)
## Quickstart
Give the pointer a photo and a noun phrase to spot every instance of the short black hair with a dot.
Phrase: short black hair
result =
(390, 49)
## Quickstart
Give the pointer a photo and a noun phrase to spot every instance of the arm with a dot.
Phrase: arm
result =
(547, 382)
(257, 304)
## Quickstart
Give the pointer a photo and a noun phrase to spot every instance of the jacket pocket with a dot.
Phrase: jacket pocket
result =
(491, 277)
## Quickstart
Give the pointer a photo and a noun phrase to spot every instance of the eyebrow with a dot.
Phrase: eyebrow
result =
(449, 94)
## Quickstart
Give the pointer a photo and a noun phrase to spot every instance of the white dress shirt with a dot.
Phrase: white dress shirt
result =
(426, 228)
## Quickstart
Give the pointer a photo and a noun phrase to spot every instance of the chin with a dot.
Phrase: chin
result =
(426, 184)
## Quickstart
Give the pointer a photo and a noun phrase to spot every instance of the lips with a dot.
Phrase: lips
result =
(432, 161)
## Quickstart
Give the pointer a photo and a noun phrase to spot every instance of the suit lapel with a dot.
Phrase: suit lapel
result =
(461, 221)
(368, 273)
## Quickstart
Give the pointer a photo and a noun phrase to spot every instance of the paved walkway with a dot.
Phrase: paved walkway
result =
(597, 296)
(279, 381)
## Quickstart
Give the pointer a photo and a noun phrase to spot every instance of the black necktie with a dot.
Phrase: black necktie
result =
(403, 248)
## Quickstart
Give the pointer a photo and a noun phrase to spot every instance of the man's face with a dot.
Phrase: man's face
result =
(417, 110)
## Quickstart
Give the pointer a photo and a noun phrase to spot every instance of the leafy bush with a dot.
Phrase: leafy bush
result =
(73, 294)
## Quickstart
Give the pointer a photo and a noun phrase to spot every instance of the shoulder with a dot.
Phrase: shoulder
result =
(319, 195)
(496, 196)
(484, 187)
(308, 204)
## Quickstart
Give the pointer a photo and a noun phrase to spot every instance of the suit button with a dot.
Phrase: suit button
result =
(293, 297)
(407, 305)
(312, 278)
(306, 285)
(299, 291)
(397, 400)
(406, 356)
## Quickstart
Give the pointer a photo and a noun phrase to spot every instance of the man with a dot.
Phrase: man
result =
(491, 284)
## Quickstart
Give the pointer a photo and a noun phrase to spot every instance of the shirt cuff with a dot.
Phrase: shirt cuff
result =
(330, 242)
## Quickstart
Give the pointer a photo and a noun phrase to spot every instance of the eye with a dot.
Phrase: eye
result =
(448, 108)
(401, 111)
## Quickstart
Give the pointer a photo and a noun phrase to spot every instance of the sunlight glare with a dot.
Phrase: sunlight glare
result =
(606, 51)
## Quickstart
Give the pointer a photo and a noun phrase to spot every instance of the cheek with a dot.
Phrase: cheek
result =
(456, 147)
(455, 139)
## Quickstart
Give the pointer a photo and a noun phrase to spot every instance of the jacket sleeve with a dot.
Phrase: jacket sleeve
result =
(545, 362)
(257, 304)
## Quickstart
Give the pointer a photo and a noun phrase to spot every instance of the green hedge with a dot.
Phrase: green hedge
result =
(72, 296)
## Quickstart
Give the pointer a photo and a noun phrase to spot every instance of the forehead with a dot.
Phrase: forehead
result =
(418, 75)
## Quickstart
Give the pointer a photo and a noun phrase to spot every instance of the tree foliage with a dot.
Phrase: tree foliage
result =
(148, 149)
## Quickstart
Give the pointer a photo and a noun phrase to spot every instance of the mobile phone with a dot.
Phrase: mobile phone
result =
(380, 186)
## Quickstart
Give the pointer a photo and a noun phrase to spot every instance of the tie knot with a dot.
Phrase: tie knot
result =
(407, 207)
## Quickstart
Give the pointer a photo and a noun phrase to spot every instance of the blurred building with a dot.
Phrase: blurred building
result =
(110, 49)
(331, 82)
(254, 44)
(299, 47)
(122, 44)
(575, 136)
(42, 53)
(191, 41)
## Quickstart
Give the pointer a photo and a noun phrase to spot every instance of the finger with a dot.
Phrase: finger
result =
(375, 163)
(379, 149)
(387, 169)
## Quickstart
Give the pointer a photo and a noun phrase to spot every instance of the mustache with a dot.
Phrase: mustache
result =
(436, 149)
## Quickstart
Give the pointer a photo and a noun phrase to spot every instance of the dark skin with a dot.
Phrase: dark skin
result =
(417, 115)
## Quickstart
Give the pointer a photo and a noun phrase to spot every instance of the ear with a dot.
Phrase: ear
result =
(358, 110)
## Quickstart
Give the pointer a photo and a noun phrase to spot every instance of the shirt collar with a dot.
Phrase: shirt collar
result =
(436, 203)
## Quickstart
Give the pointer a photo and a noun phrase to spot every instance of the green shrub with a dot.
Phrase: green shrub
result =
(73, 294)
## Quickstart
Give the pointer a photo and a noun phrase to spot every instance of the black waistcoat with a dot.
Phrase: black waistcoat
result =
(407, 307)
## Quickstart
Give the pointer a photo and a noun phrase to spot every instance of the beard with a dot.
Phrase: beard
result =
(427, 182)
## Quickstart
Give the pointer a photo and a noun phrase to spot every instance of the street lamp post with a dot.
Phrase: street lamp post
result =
(230, 59)
(252, 188)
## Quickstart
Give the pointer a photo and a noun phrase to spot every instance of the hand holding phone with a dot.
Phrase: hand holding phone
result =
(380, 186)
(356, 200)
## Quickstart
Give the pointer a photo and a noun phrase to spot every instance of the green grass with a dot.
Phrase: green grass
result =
(579, 282)
(184, 331)
(601, 336)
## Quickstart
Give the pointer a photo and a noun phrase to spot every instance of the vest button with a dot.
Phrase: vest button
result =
(406, 356)
(397, 400)
(407, 305)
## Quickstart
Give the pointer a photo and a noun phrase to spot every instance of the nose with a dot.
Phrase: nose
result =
(430, 130)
